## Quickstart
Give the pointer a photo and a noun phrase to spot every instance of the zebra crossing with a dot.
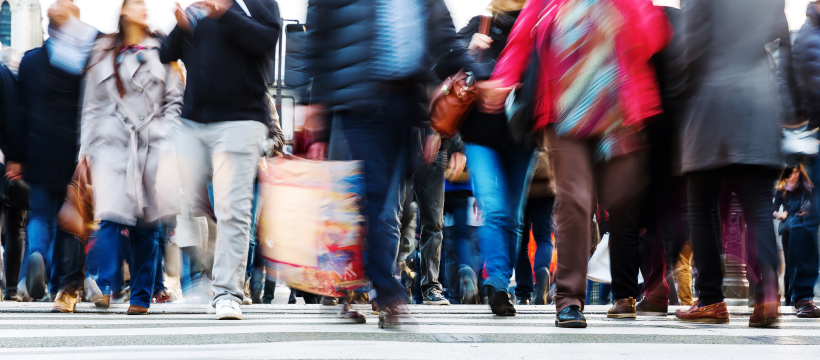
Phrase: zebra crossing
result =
(188, 331)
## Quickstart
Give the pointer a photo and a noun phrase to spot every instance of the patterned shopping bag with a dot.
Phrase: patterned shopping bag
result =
(310, 224)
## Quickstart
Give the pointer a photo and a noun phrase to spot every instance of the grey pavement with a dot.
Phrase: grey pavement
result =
(188, 331)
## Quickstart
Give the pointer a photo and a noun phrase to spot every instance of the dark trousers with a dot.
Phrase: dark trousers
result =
(381, 139)
(753, 185)
(538, 218)
(106, 256)
(14, 240)
(430, 199)
(619, 185)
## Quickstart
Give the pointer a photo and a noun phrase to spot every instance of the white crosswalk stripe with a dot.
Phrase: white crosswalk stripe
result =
(171, 331)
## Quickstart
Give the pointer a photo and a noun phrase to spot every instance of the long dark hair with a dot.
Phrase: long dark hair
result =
(118, 45)
(803, 181)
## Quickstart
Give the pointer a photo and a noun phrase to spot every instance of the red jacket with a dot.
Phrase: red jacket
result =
(646, 33)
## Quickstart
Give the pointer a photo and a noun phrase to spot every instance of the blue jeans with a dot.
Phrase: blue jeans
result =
(499, 179)
(802, 253)
(538, 217)
(381, 139)
(107, 254)
(41, 230)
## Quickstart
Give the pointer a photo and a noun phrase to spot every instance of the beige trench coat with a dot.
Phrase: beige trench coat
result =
(129, 139)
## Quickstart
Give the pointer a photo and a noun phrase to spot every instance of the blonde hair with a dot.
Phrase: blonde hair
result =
(505, 5)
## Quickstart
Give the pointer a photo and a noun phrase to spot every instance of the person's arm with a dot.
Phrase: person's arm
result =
(9, 108)
(449, 44)
(257, 33)
(172, 99)
(514, 59)
(171, 48)
(70, 44)
(786, 80)
(16, 129)
(445, 66)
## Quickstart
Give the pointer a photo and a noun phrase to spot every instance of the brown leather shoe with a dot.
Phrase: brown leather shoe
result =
(806, 309)
(103, 302)
(354, 316)
(137, 310)
(66, 301)
(765, 315)
(622, 309)
(712, 314)
(392, 316)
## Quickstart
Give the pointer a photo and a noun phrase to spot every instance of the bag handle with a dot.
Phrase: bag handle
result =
(484, 29)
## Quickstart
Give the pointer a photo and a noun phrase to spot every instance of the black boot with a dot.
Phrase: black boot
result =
(500, 302)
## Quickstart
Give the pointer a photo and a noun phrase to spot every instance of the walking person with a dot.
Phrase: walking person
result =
(370, 72)
(801, 267)
(730, 131)
(224, 45)
(538, 219)
(43, 150)
(499, 172)
(599, 92)
(131, 108)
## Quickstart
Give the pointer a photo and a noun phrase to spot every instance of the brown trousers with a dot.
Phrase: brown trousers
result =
(581, 182)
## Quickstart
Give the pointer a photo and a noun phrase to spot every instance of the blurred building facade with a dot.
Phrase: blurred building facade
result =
(21, 24)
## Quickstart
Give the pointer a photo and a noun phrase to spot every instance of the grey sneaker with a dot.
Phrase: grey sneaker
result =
(435, 298)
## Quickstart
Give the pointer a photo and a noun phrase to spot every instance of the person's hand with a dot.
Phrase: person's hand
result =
(85, 159)
(431, 148)
(314, 117)
(217, 8)
(480, 42)
(456, 166)
(61, 11)
(14, 170)
(780, 215)
(492, 96)
(317, 151)
(182, 19)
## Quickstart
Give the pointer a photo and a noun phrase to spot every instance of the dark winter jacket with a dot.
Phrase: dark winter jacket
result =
(226, 60)
(45, 137)
(806, 62)
(339, 58)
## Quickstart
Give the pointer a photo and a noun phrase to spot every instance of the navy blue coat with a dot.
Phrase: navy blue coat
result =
(45, 137)
(806, 63)
(338, 58)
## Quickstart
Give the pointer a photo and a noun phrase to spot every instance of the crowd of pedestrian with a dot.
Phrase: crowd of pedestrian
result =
(641, 122)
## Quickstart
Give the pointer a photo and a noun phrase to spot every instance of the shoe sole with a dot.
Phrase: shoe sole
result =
(439, 302)
(653, 313)
(61, 311)
(35, 277)
(620, 316)
(136, 313)
(542, 281)
(499, 308)
(765, 324)
(469, 289)
(704, 321)
(229, 317)
(575, 324)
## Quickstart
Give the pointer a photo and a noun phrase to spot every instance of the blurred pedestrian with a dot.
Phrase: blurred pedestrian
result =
(369, 71)
(45, 141)
(538, 219)
(131, 109)
(499, 172)
(801, 267)
(730, 130)
(224, 45)
(596, 90)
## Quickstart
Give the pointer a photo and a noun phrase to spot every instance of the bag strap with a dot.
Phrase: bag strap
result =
(483, 28)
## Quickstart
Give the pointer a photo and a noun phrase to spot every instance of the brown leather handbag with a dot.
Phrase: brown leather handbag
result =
(455, 97)
(77, 214)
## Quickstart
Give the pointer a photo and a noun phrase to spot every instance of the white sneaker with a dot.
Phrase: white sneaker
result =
(228, 310)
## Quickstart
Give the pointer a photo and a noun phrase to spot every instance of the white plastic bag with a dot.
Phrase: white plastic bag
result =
(598, 269)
